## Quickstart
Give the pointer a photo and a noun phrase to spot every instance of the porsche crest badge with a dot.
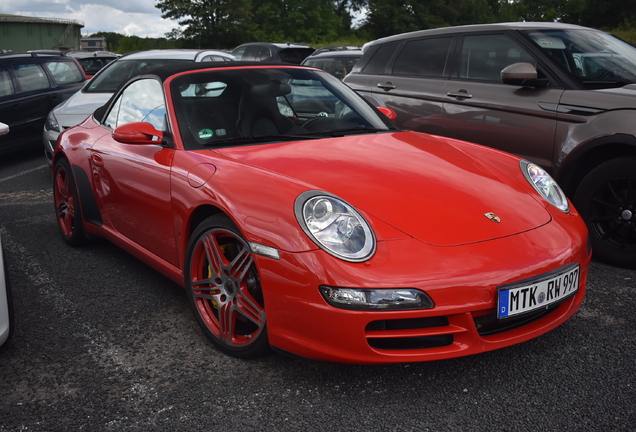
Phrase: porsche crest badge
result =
(493, 217)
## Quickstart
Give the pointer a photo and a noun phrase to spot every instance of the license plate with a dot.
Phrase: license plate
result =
(530, 295)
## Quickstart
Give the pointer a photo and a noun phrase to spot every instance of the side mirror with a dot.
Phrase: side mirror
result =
(522, 74)
(4, 129)
(388, 112)
(138, 133)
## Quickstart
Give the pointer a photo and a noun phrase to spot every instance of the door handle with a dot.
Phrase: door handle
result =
(97, 161)
(459, 95)
(386, 86)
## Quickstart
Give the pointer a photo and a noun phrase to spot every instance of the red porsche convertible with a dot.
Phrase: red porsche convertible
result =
(298, 217)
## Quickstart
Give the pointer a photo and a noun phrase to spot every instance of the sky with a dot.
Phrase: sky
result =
(128, 17)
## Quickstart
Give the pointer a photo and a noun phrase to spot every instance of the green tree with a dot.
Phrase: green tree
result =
(211, 23)
(388, 17)
(295, 20)
(609, 14)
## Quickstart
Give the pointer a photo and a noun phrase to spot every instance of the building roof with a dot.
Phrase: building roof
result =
(30, 19)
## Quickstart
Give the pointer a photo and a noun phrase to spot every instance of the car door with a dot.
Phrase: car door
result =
(132, 181)
(479, 108)
(9, 105)
(26, 110)
(409, 78)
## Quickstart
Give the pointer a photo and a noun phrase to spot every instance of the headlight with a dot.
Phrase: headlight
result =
(376, 299)
(335, 226)
(545, 185)
(51, 123)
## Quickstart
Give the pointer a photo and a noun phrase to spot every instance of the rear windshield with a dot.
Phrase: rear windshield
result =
(295, 55)
(92, 65)
(339, 66)
(120, 71)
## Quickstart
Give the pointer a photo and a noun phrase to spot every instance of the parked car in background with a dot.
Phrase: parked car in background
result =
(92, 62)
(101, 87)
(338, 61)
(6, 305)
(334, 237)
(31, 84)
(288, 52)
(562, 96)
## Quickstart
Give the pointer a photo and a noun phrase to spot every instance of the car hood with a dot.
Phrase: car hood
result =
(605, 99)
(79, 106)
(419, 184)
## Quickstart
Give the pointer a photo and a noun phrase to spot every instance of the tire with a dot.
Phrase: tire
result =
(606, 198)
(67, 205)
(224, 290)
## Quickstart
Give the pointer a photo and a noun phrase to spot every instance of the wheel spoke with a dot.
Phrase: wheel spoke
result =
(604, 203)
(214, 254)
(616, 196)
(607, 234)
(240, 265)
(62, 209)
(250, 309)
(227, 318)
(603, 218)
(206, 292)
(62, 185)
(70, 210)
(204, 284)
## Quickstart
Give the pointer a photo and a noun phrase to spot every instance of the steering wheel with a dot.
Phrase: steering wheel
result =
(607, 72)
(322, 116)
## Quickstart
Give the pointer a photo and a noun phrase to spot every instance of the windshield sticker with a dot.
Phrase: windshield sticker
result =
(547, 41)
(205, 133)
(220, 132)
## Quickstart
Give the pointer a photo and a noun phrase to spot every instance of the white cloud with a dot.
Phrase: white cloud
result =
(128, 17)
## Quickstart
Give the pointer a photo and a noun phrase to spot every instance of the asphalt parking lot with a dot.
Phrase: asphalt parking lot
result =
(104, 343)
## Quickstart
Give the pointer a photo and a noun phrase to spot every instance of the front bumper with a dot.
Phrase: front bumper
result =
(461, 280)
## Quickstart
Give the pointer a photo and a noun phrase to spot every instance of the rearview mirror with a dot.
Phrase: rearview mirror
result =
(4, 129)
(522, 74)
(137, 133)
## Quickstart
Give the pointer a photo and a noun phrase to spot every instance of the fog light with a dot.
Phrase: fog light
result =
(376, 299)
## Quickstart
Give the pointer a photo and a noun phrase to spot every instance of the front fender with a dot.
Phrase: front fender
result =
(260, 202)
(588, 141)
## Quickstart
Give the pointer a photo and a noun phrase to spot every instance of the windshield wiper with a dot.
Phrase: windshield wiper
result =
(350, 130)
(258, 139)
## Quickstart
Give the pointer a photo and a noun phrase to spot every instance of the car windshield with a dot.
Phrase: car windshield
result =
(253, 105)
(597, 59)
(120, 71)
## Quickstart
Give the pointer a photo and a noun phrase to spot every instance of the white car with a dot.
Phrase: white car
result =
(6, 313)
(100, 88)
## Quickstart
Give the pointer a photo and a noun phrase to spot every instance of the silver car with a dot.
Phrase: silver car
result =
(6, 313)
(100, 88)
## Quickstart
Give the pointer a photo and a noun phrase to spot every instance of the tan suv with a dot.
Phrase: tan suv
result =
(560, 95)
